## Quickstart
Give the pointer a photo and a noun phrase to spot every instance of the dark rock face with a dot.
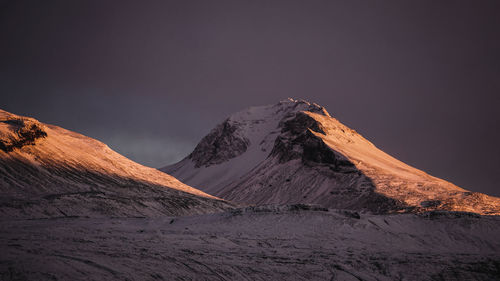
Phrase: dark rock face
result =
(430, 203)
(219, 145)
(449, 214)
(24, 132)
(301, 122)
(297, 141)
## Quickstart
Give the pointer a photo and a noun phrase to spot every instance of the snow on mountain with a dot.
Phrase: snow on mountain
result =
(295, 152)
(47, 171)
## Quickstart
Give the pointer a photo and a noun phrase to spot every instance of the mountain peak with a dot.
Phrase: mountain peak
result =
(245, 128)
(295, 152)
(312, 107)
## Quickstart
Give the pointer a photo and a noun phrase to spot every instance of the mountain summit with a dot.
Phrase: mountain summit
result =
(47, 171)
(295, 152)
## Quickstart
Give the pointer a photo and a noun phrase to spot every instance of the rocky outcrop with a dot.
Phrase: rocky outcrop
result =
(220, 145)
(297, 141)
(20, 132)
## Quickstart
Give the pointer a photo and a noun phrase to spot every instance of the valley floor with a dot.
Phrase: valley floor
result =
(294, 242)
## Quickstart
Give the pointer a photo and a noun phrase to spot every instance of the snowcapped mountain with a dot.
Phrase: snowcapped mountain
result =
(295, 152)
(47, 171)
(119, 220)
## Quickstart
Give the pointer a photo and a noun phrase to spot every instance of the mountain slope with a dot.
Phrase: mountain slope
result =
(47, 171)
(295, 152)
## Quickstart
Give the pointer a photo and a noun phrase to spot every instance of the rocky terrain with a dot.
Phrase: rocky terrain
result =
(47, 171)
(295, 152)
(296, 242)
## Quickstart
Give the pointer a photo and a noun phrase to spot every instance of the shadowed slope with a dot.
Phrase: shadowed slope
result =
(48, 171)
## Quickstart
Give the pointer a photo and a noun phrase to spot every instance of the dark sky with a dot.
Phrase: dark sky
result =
(420, 79)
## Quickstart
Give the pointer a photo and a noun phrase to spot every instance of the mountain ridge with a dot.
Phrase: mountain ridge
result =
(49, 171)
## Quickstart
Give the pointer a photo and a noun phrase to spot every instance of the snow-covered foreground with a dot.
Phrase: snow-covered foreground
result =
(260, 243)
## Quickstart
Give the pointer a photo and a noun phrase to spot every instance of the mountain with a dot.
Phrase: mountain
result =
(73, 209)
(47, 171)
(295, 152)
